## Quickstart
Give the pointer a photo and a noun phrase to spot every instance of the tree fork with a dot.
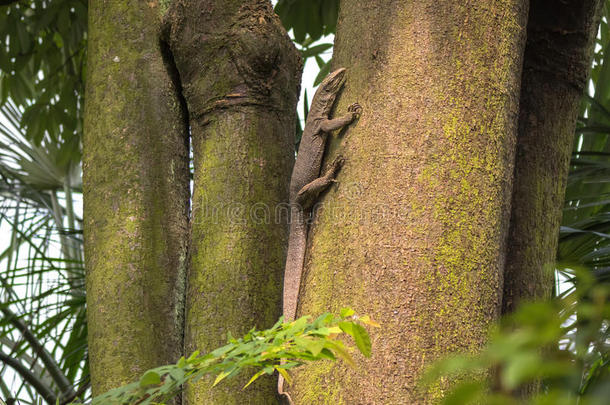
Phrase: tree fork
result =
(240, 75)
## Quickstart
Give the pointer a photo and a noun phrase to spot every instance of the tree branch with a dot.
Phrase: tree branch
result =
(49, 362)
(81, 391)
(14, 347)
(40, 387)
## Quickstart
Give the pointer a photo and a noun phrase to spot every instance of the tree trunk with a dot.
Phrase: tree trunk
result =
(560, 38)
(240, 76)
(135, 170)
(414, 233)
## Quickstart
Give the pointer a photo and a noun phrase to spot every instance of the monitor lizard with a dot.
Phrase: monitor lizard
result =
(306, 184)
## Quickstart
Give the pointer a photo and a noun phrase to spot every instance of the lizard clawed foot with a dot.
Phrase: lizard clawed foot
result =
(336, 165)
(355, 109)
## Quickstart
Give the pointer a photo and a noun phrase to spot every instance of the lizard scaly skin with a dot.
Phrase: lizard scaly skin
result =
(306, 184)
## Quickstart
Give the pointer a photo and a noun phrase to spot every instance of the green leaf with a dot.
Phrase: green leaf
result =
(362, 339)
(222, 350)
(315, 50)
(282, 9)
(337, 347)
(464, 393)
(25, 42)
(5, 63)
(298, 325)
(521, 368)
(347, 312)
(150, 378)
(347, 327)
(299, 11)
(327, 354)
(314, 346)
(314, 22)
(324, 70)
(319, 61)
(330, 11)
(301, 343)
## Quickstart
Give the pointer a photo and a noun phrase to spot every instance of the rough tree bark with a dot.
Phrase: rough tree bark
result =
(240, 75)
(560, 38)
(414, 233)
(135, 170)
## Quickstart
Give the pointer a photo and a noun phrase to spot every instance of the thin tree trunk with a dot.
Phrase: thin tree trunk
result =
(414, 233)
(240, 76)
(135, 170)
(560, 38)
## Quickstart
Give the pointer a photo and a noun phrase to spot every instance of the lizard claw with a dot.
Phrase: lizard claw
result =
(338, 163)
(355, 109)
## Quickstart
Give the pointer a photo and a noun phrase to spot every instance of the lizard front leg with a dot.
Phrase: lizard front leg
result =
(330, 125)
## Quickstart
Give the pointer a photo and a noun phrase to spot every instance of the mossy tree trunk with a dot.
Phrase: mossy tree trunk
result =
(233, 68)
(240, 75)
(135, 170)
(560, 38)
(414, 233)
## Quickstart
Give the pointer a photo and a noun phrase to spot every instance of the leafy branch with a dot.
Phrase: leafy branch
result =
(282, 347)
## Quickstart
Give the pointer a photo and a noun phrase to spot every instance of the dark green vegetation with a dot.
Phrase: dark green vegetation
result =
(42, 71)
(560, 346)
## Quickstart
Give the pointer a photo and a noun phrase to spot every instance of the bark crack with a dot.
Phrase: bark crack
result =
(174, 74)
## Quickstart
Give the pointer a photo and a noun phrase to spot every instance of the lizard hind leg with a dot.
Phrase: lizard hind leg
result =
(308, 195)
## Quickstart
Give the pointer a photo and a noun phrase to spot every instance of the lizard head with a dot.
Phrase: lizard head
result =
(329, 88)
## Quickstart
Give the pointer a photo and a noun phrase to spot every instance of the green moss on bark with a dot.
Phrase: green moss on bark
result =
(240, 74)
(135, 195)
(414, 232)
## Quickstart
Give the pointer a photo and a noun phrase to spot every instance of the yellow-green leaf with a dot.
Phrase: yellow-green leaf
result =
(220, 377)
(346, 312)
(368, 321)
(284, 374)
(254, 377)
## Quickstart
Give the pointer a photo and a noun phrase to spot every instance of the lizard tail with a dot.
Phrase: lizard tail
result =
(297, 243)
(280, 390)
